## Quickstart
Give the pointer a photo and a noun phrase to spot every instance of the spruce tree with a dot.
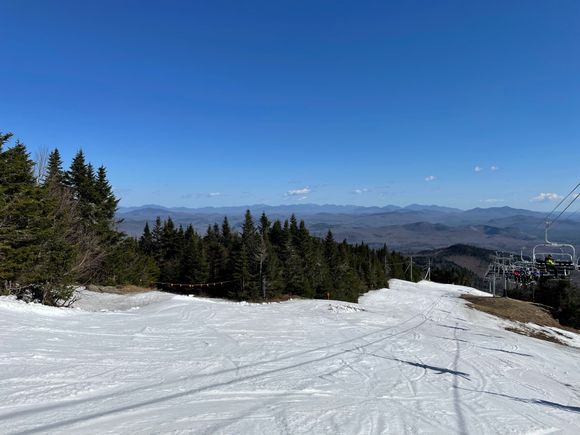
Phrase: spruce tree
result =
(193, 267)
(20, 211)
(106, 200)
(146, 241)
(226, 233)
(77, 176)
(264, 226)
(249, 233)
(242, 273)
(54, 172)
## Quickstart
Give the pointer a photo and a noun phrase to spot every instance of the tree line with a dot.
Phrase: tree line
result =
(58, 230)
(265, 260)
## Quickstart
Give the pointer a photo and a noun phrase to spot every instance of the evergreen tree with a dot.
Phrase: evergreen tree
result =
(242, 273)
(37, 232)
(226, 233)
(54, 172)
(194, 267)
(251, 250)
(77, 176)
(106, 200)
(21, 211)
(249, 233)
(264, 226)
(146, 241)
(156, 236)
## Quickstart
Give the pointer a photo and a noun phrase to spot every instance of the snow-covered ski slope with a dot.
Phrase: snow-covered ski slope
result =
(410, 359)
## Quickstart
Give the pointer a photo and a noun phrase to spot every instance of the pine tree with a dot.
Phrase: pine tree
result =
(170, 250)
(242, 273)
(37, 231)
(249, 233)
(193, 267)
(264, 227)
(80, 178)
(106, 200)
(293, 229)
(146, 241)
(20, 211)
(226, 233)
(77, 176)
(276, 233)
(54, 172)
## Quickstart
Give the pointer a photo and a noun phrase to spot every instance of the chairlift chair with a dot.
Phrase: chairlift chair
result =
(563, 254)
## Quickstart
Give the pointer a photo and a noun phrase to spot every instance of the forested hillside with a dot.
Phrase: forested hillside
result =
(266, 260)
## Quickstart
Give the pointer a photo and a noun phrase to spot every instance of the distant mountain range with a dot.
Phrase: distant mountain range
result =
(409, 229)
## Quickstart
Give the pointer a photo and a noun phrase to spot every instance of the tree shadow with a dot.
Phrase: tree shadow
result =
(483, 347)
(437, 370)
(452, 327)
(505, 351)
(542, 402)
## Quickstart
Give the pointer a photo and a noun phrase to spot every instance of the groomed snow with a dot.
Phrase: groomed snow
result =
(410, 359)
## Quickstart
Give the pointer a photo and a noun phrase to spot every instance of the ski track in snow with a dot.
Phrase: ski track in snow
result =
(409, 359)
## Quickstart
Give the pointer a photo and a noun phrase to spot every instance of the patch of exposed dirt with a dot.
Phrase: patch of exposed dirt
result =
(535, 334)
(513, 309)
(521, 312)
(283, 298)
(119, 289)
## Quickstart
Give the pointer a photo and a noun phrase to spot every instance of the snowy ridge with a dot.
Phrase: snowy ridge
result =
(409, 359)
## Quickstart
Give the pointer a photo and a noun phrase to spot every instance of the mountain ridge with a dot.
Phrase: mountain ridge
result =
(411, 228)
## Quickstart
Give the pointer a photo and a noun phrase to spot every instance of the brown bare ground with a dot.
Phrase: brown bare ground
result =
(518, 311)
(120, 289)
(535, 334)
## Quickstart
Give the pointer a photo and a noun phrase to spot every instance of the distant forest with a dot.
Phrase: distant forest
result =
(58, 230)
(267, 260)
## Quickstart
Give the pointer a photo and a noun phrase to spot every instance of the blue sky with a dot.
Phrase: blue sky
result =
(371, 103)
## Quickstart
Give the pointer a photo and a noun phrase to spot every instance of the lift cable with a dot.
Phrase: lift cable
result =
(563, 211)
(559, 204)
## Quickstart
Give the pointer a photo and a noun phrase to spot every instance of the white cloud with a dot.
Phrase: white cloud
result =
(494, 168)
(491, 200)
(298, 192)
(548, 196)
(213, 194)
(478, 169)
(430, 178)
(360, 191)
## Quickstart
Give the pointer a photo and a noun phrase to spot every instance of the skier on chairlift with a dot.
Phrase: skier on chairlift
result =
(551, 265)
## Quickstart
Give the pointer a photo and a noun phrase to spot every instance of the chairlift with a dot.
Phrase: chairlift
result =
(563, 256)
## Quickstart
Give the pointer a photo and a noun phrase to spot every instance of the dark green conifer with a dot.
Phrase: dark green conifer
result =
(146, 241)
(54, 172)
(105, 198)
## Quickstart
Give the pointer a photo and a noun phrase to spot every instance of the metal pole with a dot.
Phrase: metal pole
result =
(411, 268)
(494, 269)
(504, 285)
